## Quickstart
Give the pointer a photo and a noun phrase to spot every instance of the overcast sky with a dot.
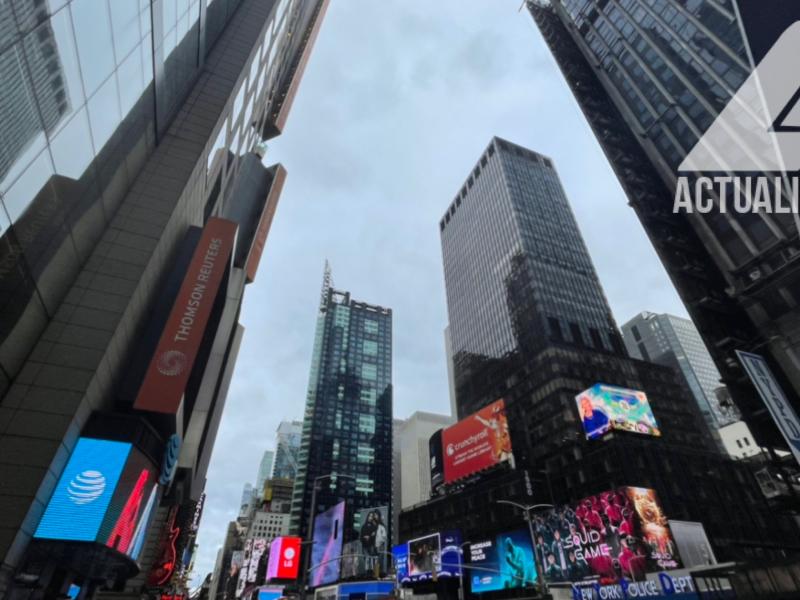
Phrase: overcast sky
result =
(397, 104)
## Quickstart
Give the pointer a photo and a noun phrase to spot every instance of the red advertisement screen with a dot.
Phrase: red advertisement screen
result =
(284, 558)
(478, 442)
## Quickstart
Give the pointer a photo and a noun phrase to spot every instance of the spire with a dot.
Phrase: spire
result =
(327, 283)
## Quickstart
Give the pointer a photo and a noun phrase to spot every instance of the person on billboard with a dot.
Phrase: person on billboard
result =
(595, 421)
(501, 439)
(552, 571)
(381, 538)
(559, 549)
(368, 534)
(576, 569)
(515, 561)
(632, 564)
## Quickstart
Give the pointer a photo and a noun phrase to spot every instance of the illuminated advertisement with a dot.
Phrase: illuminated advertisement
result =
(284, 558)
(372, 525)
(168, 372)
(269, 593)
(615, 535)
(400, 557)
(83, 493)
(478, 442)
(258, 550)
(606, 407)
(437, 461)
(694, 547)
(437, 552)
(327, 545)
(508, 559)
(242, 582)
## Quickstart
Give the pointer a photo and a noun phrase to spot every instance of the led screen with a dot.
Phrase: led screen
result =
(83, 493)
(400, 556)
(372, 545)
(270, 593)
(508, 560)
(439, 552)
(615, 535)
(284, 558)
(606, 407)
(478, 442)
(327, 546)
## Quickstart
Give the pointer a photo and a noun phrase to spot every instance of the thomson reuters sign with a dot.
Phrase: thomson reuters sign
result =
(478, 442)
(169, 370)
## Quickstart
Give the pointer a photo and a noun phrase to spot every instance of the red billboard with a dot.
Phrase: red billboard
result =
(478, 442)
(165, 381)
(284, 558)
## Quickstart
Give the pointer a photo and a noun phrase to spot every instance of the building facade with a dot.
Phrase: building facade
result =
(672, 341)
(347, 429)
(413, 438)
(549, 336)
(287, 447)
(132, 171)
(264, 469)
(651, 78)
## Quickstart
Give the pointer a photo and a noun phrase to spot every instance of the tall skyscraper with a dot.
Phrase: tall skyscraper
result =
(672, 341)
(287, 447)
(651, 77)
(136, 202)
(347, 429)
(264, 470)
(530, 324)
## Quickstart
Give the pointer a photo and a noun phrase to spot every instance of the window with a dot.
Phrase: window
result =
(366, 423)
(370, 326)
(370, 348)
(369, 372)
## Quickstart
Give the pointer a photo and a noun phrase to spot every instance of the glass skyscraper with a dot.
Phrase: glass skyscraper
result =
(347, 427)
(132, 134)
(651, 76)
(517, 271)
(287, 447)
(529, 323)
(673, 341)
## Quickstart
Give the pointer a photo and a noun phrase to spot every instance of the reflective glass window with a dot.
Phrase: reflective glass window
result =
(92, 25)
(19, 196)
(72, 146)
(125, 26)
(104, 113)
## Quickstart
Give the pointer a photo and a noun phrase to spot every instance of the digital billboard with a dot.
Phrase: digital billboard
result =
(284, 558)
(437, 552)
(269, 593)
(693, 544)
(508, 559)
(437, 462)
(327, 545)
(400, 556)
(372, 525)
(615, 535)
(478, 442)
(605, 407)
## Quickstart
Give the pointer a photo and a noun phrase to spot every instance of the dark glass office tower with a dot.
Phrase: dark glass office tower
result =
(347, 428)
(651, 77)
(536, 331)
(135, 202)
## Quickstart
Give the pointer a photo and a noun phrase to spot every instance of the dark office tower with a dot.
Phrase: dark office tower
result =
(651, 77)
(536, 331)
(287, 447)
(516, 268)
(347, 428)
(135, 207)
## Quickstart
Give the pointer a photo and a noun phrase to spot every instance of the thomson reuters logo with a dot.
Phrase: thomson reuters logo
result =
(86, 487)
(172, 362)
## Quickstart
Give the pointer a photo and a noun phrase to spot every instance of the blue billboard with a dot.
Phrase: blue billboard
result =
(507, 559)
(400, 555)
(326, 550)
(83, 493)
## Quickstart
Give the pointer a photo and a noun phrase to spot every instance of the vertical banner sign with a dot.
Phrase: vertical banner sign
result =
(771, 393)
(169, 370)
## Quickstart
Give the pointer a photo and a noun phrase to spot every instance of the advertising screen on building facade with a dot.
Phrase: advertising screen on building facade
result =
(284, 558)
(603, 408)
(106, 494)
(372, 525)
(327, 547)
(508, 560)
(437, 461)
(437, 552)
(478, 442)
(400, 556)
(693, 544)
(617, 534)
